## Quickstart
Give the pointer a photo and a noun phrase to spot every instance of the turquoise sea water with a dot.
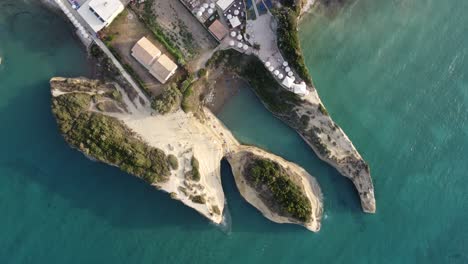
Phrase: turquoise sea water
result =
(392, 73)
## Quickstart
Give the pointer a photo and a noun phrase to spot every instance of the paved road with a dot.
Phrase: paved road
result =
(109, 54)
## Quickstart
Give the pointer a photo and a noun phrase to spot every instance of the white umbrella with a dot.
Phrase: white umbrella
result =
(276, 72)
(202, 9)
(287, 69)
(212, 5)
(210, 11)
(245, 47)
(239, 37)
(229, 16)
(280, 76)
(231, 43)
(285, 64)
(239, 45)
(199, 13)
(271, 68)
(205, 5)
(293, 78)
(267, 64)
(236, 12)
(290, 74)
(233, 33)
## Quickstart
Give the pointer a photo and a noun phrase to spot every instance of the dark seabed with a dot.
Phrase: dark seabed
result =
(392, 73)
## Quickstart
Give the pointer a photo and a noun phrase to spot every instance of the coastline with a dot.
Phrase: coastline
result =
(177, 134)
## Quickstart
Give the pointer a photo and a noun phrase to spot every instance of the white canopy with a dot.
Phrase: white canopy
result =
(300, 88)
(287, 82)
(235, 22)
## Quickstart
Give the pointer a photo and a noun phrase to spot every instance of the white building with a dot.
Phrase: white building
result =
(100, 13)
(297, 88)
(224, 4)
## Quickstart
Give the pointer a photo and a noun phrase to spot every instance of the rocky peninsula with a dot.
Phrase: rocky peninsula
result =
(180, 153)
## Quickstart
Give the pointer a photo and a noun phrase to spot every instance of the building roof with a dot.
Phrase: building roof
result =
(145, 52)
(235, 22)
(224, 4)
(91, 18)
(300, 88)
(218, 29)
(163, 68)
(106, 8)
(288, 82)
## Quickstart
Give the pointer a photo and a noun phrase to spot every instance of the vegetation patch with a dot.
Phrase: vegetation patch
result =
(198, 199)
(275, 186)
(289, 43)
(107, 139)
(168, 101)
(173, 161)
(195, 169)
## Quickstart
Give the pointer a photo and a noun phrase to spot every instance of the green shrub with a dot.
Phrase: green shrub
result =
(198, 199)
(173, 161)
(107, 139)
(289, 196)
(168, 101)
(202, 73)
(216, 210)
(289, 43)
(195, 169)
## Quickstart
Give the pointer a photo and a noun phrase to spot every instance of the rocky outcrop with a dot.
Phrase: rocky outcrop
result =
(175, 152)
(300, 187)
(313, 123)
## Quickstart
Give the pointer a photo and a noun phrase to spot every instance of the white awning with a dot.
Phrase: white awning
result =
(287, 82)
(235, 22)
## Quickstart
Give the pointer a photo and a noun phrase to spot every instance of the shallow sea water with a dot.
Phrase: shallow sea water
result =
(393, 74)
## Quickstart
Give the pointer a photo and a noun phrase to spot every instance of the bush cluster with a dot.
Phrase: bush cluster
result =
(173, 161)
(290, 198)
(289, 43)
(168, 101)
(107, 139)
